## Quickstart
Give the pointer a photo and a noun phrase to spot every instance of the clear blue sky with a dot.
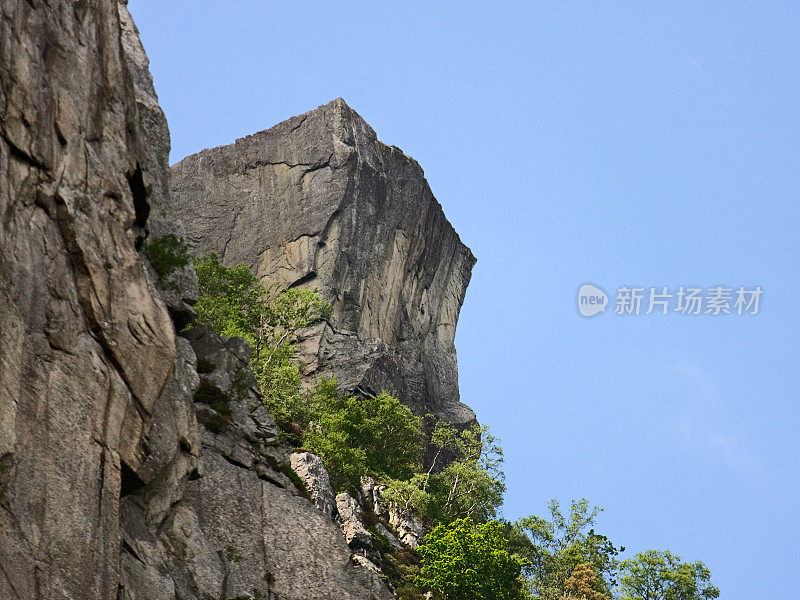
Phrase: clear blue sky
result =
(621, 143)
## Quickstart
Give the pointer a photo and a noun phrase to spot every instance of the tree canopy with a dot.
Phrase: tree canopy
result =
(467, 561)
(557, 546)
(662, 575)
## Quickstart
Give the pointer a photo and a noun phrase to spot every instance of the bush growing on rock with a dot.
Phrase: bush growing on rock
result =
(470, 485)
(166, 254)
(235, 303)
(375, 436)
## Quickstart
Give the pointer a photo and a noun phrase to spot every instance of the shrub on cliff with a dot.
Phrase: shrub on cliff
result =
(167, 254)
(235, 303)
(375, 436)
(470, 485)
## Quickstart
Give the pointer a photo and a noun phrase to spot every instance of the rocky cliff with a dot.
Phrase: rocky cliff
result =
(86, 343)
(136, 463)
(318, 201)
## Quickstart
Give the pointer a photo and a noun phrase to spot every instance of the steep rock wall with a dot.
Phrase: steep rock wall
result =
(111, 485)
(318, 201)
(86, 344)
(237, 526)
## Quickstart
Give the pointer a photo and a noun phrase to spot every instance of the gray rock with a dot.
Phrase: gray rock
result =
(237, 425)
(310, 469)
(242, 528)
(173, 442)
(236, 534)
(113, 491)
(371, 495)
(86, 344)
(409, 530)
(366, 563)
(318, 201)
(352, 523)
(388, 536)
(180, 292)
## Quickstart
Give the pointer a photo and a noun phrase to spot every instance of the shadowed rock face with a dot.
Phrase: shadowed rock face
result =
(318, 201)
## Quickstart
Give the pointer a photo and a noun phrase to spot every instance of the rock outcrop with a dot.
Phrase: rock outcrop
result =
(137, 463)
(239, 527)
(352, 522)
(318, 201)
(315, 477)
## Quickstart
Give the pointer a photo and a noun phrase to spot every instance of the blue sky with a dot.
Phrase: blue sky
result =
(648, 144)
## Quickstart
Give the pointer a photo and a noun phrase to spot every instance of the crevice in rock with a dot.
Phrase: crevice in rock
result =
(304, 279)
(234, 462)
(269, 479)
(140, 205)
(130, 482)
(126, 547)
(23, 156)
(62, 139)
(80, 271)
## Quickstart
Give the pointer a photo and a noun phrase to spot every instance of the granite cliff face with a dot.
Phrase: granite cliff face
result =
(318, 201)
(86, 343)
(126, 471)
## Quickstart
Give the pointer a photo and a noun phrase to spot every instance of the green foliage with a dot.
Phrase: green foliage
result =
(468, 561)
(166, 254)
(280, 386)
(376, 436)
(471, 485)
(555, 547)
(661, 575)
(468, 555)
(232, 554)
(234, 303)
(230, 298)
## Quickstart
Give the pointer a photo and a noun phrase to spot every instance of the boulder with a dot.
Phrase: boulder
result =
(352, 522)
(310, 469)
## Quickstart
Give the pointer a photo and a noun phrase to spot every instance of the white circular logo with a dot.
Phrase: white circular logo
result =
(591, 300)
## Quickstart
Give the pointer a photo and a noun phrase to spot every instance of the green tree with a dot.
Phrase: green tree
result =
(376, 435)
(235, 303)
(555, 547)
(468, 561)
(661, 575)
(470, 485)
